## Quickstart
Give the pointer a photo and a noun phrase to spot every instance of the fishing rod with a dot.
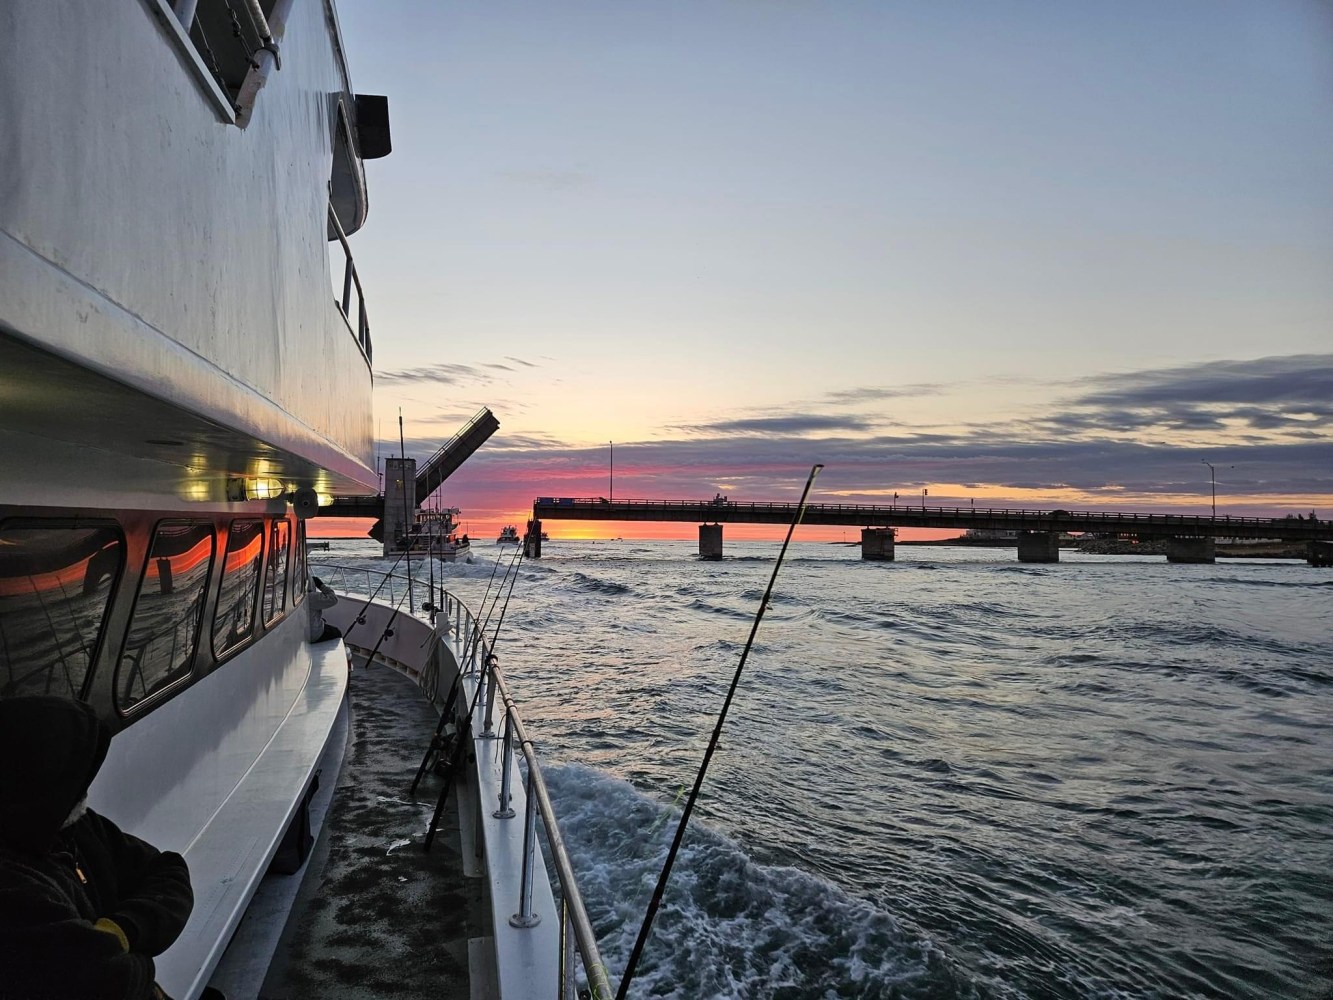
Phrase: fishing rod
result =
(487, 621)
(486, 596)
(407, 507)
(388, 629)
(512, 580)
(465, 731)
(662, 879)
(360, 618)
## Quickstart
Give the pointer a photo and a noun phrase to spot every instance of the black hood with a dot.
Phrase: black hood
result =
(50, 751)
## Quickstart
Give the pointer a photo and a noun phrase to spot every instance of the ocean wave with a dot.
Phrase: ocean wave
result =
(714, 609)
(730, 926)
(595, 585)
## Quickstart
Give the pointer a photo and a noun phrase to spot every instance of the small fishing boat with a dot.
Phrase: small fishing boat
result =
(508, 535)
(435, 532)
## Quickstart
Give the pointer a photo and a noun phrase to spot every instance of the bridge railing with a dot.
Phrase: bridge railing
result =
(543, 504)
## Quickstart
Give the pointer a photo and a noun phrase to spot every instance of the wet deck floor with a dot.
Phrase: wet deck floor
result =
(376, 916)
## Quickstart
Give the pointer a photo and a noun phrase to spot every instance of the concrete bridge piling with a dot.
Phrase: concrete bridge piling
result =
(877, 544)
(532, 540)
(1191, 550)
(710, 541)
(1039, 546)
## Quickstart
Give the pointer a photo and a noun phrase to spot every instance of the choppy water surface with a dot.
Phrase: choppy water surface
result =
(949, 776)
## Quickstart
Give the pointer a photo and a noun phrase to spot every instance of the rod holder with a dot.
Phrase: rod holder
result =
(525, 917)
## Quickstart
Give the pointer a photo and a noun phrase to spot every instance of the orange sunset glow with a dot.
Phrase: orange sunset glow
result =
(499, 497)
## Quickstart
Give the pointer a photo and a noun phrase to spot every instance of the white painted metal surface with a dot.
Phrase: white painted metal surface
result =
(167, 324)
(526, 960)
(146, 238)
(223, 796)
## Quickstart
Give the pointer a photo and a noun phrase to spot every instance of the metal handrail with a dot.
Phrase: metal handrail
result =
(350, 278)
(475, 657)
(578, 914)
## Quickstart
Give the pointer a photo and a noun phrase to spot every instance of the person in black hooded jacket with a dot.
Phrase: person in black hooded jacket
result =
(84, 907)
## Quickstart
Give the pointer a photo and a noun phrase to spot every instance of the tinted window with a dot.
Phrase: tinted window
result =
(275, 577)
(168, 613)
(299, 566)
(234, 621)
(55, 585)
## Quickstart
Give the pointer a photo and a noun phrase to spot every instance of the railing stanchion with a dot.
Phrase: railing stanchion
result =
(565, 990)
(506, 811)
(488, 727)
(525, 917)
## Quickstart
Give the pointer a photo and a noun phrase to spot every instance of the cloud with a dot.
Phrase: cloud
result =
(1118, 440)
(873, 394)
(446, 373)
(439, 374)
(1276, 394)
(791, 424)
(1292, 380)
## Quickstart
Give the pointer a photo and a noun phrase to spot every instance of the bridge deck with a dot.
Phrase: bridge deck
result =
(917, 516)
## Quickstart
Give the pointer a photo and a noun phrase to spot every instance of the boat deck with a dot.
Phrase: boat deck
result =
(376, 915)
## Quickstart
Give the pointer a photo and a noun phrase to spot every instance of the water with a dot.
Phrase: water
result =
(949, 776)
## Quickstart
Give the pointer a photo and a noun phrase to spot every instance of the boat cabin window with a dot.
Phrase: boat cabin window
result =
(168, 612)
(299, 584)
(275, 578)
(55, 586)
(234, 620)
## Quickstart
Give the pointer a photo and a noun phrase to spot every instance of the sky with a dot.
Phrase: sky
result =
(1028, 254)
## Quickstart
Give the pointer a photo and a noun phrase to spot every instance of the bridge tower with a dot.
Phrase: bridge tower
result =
(400, 475)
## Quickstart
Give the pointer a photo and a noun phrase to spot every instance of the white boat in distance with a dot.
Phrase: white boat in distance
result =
(508, 535)
(185, 369)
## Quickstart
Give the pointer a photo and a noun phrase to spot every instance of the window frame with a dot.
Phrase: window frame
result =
(154, 697)
(280, 604)
(185, 48)
(301, 563)
(223, 653)
(118, 578)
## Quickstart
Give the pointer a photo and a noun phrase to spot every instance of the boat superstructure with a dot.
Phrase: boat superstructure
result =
(184, 369)
(508, 535)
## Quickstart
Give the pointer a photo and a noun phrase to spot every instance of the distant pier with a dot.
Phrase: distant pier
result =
(1189, 538)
